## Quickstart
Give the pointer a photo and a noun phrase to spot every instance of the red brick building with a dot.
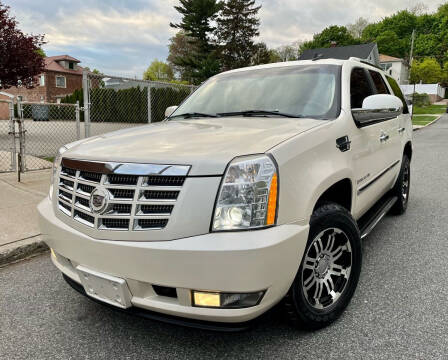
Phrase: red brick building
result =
(61, 77)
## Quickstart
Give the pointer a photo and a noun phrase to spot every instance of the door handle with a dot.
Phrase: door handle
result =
(401, 130)
(384, 137)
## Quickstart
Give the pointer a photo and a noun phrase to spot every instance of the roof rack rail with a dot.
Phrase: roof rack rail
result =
(352, 58)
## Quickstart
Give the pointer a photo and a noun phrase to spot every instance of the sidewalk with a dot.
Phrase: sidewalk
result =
(20, 236)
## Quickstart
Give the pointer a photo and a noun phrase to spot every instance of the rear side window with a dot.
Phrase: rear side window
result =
(359, 87)
(397, 92)
(379, 83)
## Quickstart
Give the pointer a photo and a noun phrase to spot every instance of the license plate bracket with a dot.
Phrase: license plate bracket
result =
(106, 288)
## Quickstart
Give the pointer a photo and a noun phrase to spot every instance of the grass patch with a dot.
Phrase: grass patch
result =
(422, 120)
(430, 109)
(50, 159)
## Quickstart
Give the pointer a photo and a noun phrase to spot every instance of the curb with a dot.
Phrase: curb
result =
(432, 122)
(21, 249)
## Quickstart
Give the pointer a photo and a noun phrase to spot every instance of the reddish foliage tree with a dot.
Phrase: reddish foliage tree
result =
(20, 58)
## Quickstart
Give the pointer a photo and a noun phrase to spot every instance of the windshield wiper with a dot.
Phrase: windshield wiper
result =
(258, 112)
(192, 114)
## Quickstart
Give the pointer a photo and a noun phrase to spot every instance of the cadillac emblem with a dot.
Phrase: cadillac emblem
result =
(98, 200)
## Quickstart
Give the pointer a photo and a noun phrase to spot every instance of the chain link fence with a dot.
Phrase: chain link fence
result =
(117, 102)
(7, 141)
(44, 128)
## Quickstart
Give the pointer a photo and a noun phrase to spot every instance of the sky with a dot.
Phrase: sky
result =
(121, 37)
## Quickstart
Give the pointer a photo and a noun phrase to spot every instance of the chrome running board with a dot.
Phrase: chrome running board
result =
(368, 221)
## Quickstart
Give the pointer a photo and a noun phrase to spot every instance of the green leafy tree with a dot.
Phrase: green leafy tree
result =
(427, 71)
(158, 71)
(332, 34)
(389, 43)
(237, 26)
(180, 47)
(198, 17)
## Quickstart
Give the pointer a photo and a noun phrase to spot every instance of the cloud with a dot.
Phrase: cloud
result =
(123, 37)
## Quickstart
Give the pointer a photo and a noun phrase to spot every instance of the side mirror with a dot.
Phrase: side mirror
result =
(376, 108)
(169, 110)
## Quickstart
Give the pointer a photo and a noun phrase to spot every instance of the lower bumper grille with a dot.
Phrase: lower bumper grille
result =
(126, 201)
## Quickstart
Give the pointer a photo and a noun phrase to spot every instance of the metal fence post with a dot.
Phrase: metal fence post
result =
(78, 124)
(149, 105)
(13, 134)
(86, 95)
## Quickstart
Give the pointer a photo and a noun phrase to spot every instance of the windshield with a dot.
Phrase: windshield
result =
(302, 91)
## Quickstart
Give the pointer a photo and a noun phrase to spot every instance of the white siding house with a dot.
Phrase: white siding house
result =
(396, 68)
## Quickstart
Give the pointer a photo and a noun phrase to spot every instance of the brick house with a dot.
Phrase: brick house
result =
(61, 77)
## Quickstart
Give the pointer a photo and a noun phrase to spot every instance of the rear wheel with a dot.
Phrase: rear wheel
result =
(402, 187)
(329, 272)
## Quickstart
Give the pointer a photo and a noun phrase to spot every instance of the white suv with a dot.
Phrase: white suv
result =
(257, 189)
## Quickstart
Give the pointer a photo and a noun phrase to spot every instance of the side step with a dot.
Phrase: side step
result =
(370, 219)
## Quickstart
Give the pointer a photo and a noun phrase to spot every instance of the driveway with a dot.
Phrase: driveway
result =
(398, 312)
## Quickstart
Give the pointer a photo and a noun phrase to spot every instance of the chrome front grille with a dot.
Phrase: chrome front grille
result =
(139, 196)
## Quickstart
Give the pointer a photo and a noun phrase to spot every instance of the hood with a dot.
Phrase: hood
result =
(206, 144)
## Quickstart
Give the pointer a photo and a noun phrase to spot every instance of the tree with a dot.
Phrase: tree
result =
(427, 71)
(332, 34)
(357, 27)
(180, 47)
(20, 57)
(389, 43)
(237, 26)
(287, 52)
(197, 23)
(158, 71)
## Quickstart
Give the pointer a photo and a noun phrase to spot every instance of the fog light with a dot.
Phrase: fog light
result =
(206, 299)
(226, 300)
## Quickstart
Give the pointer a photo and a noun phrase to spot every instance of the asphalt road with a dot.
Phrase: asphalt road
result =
(398, 312)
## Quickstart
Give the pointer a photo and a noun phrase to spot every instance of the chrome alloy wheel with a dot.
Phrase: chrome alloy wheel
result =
(326, 268)
(405, 183)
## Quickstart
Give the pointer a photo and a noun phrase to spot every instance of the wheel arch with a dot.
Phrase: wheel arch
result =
(408, 150)
(339, 191)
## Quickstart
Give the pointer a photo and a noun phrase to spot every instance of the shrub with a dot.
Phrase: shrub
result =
(421, 99)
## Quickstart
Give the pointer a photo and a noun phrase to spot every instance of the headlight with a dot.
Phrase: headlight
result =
(56, 164)
(248, 195)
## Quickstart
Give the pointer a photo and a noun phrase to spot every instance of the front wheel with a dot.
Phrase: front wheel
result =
(329, 272)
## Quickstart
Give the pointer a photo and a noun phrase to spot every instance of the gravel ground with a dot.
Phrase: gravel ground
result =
(398, 312)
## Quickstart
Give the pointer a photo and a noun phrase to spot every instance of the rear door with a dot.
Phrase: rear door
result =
(372, 153)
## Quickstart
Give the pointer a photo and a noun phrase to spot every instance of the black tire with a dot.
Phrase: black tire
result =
(402, 187)
(300, 313)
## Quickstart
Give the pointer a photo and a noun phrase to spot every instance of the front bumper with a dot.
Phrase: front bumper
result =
(245, 261)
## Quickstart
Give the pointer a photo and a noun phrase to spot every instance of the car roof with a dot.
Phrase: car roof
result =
(352, 61)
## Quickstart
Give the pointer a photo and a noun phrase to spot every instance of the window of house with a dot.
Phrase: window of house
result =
(20, 97)
(42, 80)
(60, 81)
(359, 88)
(380, 85)
(71, 65)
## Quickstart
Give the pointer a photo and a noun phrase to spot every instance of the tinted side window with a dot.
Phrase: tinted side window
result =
(359, 87)
(380, 85)
(397, 92)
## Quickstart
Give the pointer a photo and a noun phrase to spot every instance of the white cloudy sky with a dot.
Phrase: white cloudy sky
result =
(123, 37)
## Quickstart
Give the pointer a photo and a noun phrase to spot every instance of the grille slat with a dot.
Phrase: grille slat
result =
(122, 193)
(135, 202)
(164, 181)
(159, 195)
(118, 224)
(155, 209)
(116, 179)
(90, 176)
(151, 223)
